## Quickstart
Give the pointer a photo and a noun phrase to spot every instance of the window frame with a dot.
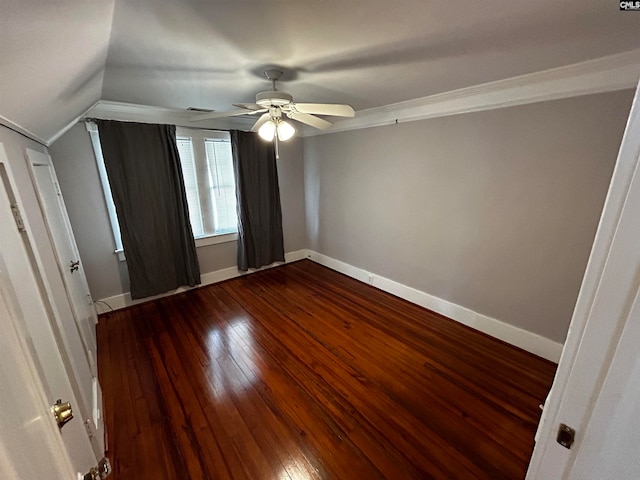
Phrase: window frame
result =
(92, 128)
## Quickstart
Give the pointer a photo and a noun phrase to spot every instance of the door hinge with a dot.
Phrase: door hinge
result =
(100, 471)
(88, 425)
(18, 217)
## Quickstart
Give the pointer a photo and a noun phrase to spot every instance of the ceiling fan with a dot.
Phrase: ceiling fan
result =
(273, 105)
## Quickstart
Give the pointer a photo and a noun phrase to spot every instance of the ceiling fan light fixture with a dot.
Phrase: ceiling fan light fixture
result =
(285, 130)
(275, 126)
(268, 130)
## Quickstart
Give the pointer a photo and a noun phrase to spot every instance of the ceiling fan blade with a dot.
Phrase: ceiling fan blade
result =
(326, 109)
(249, 106)
(232, 113)
(261, 121)
(316, 122)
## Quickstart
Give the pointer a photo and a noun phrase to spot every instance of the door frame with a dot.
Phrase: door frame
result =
(590, 348)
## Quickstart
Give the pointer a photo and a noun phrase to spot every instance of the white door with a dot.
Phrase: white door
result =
(30, 446)
(59, 227)
(597, 387)
(610, 447)
(25, 292)
(85, 319)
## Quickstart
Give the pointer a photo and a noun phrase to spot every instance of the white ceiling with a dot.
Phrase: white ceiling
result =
(52, 57)
(210, 54)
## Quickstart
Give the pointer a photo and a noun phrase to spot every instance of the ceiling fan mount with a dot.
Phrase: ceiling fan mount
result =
(273, 75)
(274, 104)
(273, 99)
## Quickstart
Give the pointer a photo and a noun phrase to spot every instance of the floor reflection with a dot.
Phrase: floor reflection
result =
(294, 471)
(231, 352)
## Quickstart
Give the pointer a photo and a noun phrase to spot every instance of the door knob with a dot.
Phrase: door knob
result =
(73, 266)
(62, 412)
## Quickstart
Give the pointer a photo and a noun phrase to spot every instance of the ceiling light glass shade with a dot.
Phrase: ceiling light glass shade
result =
(276, 126)
(285, 131)
(268, 130)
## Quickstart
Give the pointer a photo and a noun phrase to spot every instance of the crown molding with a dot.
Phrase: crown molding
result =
(131, 112)
(4, 121)
(70, 125)
(606, 74)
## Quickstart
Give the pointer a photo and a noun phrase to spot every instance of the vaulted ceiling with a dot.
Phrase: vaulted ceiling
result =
(59, 57)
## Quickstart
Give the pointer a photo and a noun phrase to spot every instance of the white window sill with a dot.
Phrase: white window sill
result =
(215, 239)
(200, 242)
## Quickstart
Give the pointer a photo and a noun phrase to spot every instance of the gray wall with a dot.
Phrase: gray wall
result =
(77, 172)
(79, 180)
(495, 211)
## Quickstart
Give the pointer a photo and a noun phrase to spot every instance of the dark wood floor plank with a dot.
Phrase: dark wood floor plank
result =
(138, 434)
(299, 372)
(442, 417)
(318, 391)
(352, 384)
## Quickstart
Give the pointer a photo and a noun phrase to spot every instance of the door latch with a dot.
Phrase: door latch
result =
(102, 470)
(566, 436)
(62, 412)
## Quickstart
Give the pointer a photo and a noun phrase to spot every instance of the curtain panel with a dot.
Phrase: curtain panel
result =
(260, 239)
(145, 176)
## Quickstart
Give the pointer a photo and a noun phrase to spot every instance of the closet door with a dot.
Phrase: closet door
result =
(78, 331)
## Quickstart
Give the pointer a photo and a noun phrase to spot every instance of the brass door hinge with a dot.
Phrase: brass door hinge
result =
(18, 217)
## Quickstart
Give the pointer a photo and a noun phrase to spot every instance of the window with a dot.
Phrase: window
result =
(92, 128)
(207, 169)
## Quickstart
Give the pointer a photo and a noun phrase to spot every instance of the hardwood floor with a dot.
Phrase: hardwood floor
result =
(299, 373)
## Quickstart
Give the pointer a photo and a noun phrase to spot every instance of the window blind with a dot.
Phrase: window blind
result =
(222, 185)
(187, 159)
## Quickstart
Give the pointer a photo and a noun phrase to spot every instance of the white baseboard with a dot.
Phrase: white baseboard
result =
(124, 300)
(531, 342)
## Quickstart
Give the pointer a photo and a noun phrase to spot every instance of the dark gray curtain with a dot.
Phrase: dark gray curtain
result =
(145, 176)
(259, 214)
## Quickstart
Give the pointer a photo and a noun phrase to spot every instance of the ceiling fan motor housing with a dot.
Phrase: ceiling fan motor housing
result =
(273, 99)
